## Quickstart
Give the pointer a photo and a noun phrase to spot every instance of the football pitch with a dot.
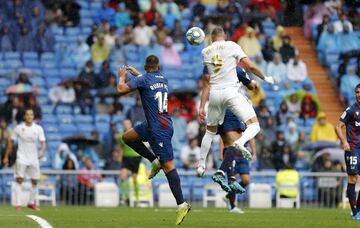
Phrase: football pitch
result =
(66, 216)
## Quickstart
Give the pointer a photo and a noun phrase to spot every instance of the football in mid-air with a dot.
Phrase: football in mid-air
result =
(195, 35)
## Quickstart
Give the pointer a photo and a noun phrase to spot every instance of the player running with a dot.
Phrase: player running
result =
(350, 120)
(221, 59)
(130, 163)
(27, 134)
(157, 129)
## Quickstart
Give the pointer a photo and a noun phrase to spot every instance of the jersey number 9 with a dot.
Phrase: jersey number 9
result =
(216, 60)
(162, 101)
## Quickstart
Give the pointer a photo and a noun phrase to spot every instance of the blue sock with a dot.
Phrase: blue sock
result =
(352, 197)
(358, 203)
(141, 149)
(175, 186)
(228, 164)
(231, 196)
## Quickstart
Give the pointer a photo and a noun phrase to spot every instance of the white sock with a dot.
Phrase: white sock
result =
(33, 191)
(181, 205)
(18, 190)
(250, 132)
(205, 147)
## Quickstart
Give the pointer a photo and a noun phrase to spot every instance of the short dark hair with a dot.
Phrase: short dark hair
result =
(28, 108)
(217, 31)
(357, 87)
(152, 62)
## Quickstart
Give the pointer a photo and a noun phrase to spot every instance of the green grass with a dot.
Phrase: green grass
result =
(64, 216)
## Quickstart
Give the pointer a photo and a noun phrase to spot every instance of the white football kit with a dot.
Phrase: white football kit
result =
(221, 59)
(27, 161)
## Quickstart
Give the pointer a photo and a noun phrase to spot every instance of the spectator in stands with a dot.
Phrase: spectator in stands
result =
(88, 75)
(341, 23)
(69, 183)
(117, 53)
(178, 37)
(179, 137)
(170, 19)
(142, 33)
(265, 159)
(291, 134)
(163, 7)
(348, 40)
(300, 143)
(278, 37)
(198, 9)
(256, 95)
(87, 182)
(114, 163)
(12, 108)
(342, 69)
(282, 114)
(23, 78)
(25, 41)
(44, 39)
(98, 148)
(136, 113)
(269, 129)
(122, 17)
(327, 42)
(161, 32)
(322, 130)
(190, 154)
(308, 107)
(151, 13)
(261, 63)
(294, 105)
(170, 55)
(104, 74)
(127, 36)
(322, 27)
(109, 87)
(281, 151)
(84, 98)
(313, 16)
(62, 156)
(348, 84)
(263, 113)
(249, 43)
(277, 69)
(296, 69)
(70, 14)
(5, 39)
(35, 18)
(268, 50)
(92, 36)
(192, 128)
(105, 13)
(110, 37)
(104, 27)
(79, 53)
(99, 50)
(63, 93)
(302, 163)
(287, 51)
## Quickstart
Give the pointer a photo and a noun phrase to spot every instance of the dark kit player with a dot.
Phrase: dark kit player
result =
(350, 120)
(157, 129)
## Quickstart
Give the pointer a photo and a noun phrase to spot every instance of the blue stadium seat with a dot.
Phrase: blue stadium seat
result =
(83, 119)
(72, 31)
(83, 3)
(51, 73)
(32, 63)
(68, 129)
(85, 13)
(64, 109)
(54, 137)
(43, 100)
(86, 127)
(30, 55)
(51, 128)
(49, 119)
(102, 127)
(47, 56)
(13, 63)
(57, 30)
(47, 64)
(47, 109)
(95, 5)
(51, 82)
(68, 73)
(11, 55)
(102, 118)
(85, 31)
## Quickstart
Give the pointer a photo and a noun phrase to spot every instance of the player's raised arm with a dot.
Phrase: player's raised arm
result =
(133, 71)
(122, 87)
(250, 66)
(204, 98)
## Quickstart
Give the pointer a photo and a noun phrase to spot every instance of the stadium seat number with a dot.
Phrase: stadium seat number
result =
(216, 60)
(162, 99)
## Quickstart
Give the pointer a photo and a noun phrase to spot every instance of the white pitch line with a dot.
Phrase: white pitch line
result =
(43, 223)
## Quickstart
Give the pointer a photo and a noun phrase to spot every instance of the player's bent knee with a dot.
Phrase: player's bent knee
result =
(167, 166)
(34, 182)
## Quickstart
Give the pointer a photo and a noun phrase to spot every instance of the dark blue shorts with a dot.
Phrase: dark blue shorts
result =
(242, 166)
(160, 143)
(231, 123)
(352, 162)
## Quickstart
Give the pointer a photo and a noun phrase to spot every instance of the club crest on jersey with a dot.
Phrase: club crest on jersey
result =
(161, 144)
(357, 113)
(357, 124)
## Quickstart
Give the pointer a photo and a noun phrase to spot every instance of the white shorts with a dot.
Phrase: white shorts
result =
(27, 171)
(228, 98)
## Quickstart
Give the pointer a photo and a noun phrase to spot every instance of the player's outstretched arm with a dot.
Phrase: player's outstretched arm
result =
(133, 71)
(250, 66)
(9, 148)
(42, 149)
(122, 87)
(204, 98)
(339, 131)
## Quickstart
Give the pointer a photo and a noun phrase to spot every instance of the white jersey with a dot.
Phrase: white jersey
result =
(221, 59)
(28, 138)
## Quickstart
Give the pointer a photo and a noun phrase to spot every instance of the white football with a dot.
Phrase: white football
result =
(195, 35)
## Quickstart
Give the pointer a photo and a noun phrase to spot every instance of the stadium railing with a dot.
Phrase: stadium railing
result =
(317, 190)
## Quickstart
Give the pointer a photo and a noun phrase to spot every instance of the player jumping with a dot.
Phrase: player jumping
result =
(27, 134)
(157, 129)
(221, 59)
(350, 120)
